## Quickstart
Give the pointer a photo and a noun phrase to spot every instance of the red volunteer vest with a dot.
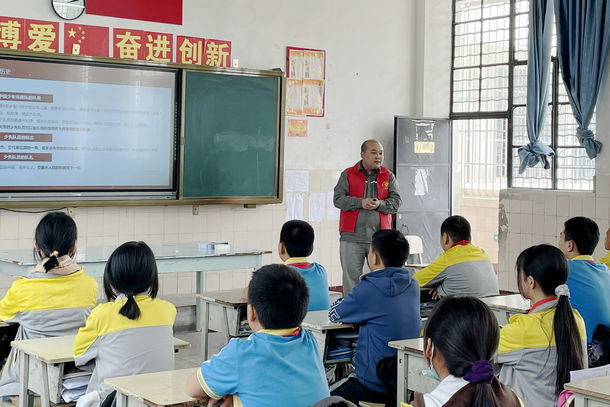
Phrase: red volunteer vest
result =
(356, 181)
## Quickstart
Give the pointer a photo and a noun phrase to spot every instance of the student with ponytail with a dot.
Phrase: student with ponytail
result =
(133, 332)
(539, 349)
(54, 300)
(460, 338)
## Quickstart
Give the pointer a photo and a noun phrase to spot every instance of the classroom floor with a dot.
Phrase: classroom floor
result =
(192, 357)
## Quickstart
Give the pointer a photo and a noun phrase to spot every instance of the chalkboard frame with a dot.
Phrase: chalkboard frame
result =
(279, 146)
(132, 198)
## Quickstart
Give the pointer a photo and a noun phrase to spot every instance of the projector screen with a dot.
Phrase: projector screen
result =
(84, 127)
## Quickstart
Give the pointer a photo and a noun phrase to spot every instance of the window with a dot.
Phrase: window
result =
(489, 89)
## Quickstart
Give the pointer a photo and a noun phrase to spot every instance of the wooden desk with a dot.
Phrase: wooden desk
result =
(171, 258)
(505, 306)
(591, 392)
(223, 311)
(322, 328)
(410, 364)
(153, 389)
(42, 367)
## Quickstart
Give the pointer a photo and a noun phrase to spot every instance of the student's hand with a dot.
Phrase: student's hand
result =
(434, 293)
(226, 401)
(370, 203)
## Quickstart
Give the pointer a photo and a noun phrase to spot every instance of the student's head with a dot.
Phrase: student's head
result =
(277, 297)
(460, 338)
(580, 236)
(55, 236)
(454, 229)
(131, 269)
(607, 241)
(371, 153)
(389, 248)
(544, 269)
(296, 239)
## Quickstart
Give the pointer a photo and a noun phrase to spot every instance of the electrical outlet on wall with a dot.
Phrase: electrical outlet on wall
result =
(70, 211)
(195, 209)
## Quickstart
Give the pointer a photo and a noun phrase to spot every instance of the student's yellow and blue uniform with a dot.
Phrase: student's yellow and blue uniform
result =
(464, 269)
(121, 346)
(589, 284)
(606, 260)
(272, 367)
(317, 282)
(528, 354)
(44, 305)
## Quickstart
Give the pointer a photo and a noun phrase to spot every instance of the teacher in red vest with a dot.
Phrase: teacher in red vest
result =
(367, 195)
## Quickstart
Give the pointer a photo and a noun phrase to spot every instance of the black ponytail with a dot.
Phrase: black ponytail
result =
(549, 268)
(55, 236)
(131, 269)
(465, 332)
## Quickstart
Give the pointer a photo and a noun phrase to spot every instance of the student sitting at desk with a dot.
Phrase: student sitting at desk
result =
(296, 243)
(133, 332)
(588, 280)
(460, 338)
(606, 258)
(57, 297)
(463, 269)
(279, 364)
(385, 303)
(539, 349)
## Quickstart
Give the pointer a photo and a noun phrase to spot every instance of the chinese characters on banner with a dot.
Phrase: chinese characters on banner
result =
(43, 36)
(305, 84)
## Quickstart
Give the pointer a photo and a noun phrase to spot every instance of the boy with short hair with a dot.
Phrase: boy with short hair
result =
(588, 281)
(279, 364)
(385, 303)
(296, 244)
(606, 258)
(463, 268)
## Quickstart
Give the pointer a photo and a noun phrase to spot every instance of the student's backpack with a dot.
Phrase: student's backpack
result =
(599, 349)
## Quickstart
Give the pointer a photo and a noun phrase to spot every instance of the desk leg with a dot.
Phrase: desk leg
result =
(401, 379)
(25, 399)
(44, 396)
(225, 321)
(200, 290)
(121, 399)
(205, 323)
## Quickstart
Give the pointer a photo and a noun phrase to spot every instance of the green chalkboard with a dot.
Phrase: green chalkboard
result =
(232, 134)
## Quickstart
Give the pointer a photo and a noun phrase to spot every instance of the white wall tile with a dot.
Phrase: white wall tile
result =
(563, 206)
(575, 206)
(550, 205)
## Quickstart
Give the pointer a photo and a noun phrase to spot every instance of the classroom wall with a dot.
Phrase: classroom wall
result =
(374, 71)
(528, 216)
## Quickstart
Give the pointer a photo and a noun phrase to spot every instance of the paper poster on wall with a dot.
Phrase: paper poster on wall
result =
(316, 206)
(306, 73)
(421, 181)
(296, 181)
(332, 213)
(297, 128)
(294, 206)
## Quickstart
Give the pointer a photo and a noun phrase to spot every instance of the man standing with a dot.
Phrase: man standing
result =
(367, 195)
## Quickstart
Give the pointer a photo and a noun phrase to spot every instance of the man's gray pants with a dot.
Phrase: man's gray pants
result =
(352, 257)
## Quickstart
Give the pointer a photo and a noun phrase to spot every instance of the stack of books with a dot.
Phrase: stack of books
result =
(75, 385)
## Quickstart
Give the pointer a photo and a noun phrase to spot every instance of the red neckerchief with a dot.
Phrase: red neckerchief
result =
(295, 333)
(539, 303)
(300, 265)
(461, 243)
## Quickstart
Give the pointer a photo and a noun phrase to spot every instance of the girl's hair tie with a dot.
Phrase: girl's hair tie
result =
(481, 372)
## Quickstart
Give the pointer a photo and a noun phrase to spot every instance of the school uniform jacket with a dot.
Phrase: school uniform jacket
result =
(44, 305)
(464, 269)
(317, 282)
(606, 260)
(121, 346)
(589, 284)
(385, 303)
(528, 354)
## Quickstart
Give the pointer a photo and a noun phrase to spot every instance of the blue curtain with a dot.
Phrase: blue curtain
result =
(583, 35)
(538, 64)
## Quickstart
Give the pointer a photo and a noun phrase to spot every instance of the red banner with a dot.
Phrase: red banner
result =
(86, 40)
(160, 11)
(12, 33)
(189, 50)
(127, 44)
(217, 53)
(41, 36)
(157, 47)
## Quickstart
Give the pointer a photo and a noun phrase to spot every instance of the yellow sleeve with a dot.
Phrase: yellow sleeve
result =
(87, 334)
(427, 274)
(606, 259)
(11, 303)
(511, 336)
